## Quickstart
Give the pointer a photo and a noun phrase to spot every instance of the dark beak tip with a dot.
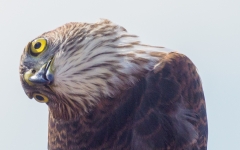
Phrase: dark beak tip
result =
(50, 78)
(43, 75)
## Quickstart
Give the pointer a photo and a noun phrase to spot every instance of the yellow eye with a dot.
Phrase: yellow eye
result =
(38, 46)
(40, 98)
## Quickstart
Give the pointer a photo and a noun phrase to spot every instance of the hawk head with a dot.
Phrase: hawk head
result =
(76, 65)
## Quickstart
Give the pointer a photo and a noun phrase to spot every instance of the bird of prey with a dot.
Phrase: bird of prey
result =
(108, 91)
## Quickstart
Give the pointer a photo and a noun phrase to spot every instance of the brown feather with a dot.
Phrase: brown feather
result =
(165, 110)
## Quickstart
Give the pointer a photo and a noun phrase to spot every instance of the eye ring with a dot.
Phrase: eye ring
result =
(40, 98)
(38, 46)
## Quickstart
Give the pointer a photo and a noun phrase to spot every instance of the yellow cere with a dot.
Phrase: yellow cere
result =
(38, 45)
(27, 75)
(40, 98)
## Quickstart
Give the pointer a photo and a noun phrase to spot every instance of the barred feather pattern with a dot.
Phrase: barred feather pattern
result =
(100, 61)
(110, 91)
(94, 61)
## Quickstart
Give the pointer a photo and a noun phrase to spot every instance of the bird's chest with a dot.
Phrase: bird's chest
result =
(110, 126)
(84, 136)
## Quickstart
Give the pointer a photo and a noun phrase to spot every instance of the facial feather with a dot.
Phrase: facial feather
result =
(94, 61)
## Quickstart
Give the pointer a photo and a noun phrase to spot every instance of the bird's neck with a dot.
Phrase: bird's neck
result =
(110, 119)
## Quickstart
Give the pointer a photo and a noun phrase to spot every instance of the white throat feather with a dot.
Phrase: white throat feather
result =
(100, 63)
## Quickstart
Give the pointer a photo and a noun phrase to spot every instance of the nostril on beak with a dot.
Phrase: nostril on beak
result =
(33, 71)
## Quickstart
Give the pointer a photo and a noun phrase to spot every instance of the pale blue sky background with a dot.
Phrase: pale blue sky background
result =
(207, 31)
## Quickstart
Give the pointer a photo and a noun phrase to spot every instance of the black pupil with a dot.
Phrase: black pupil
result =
(37, 45)
(39, 97)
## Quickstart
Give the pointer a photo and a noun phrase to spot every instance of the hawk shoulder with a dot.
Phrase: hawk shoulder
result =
(172, 112)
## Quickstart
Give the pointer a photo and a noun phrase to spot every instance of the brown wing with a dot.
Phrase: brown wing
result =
(164, 111)
(172, 113)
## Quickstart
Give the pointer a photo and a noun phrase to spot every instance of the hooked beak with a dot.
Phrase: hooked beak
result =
(43, 76)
